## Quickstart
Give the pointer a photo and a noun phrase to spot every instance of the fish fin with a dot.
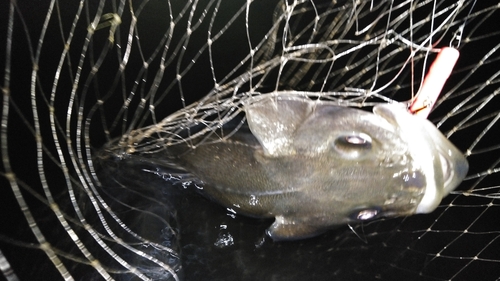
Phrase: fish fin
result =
(286, 229)
(392, 112)
(274, 119)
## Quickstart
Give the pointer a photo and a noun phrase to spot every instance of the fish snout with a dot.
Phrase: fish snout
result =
(450, 167)
(443, 165)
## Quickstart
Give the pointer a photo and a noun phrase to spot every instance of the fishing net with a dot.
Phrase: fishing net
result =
(140, 76)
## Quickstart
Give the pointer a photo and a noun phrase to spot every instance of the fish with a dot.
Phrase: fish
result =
(313, 165)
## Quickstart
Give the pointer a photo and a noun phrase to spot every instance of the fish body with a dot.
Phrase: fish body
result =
(313, 164)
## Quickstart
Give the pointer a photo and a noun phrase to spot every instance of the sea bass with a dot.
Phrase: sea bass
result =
(313, 165)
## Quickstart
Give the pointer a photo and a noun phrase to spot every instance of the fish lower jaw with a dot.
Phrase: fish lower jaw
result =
(430, 201)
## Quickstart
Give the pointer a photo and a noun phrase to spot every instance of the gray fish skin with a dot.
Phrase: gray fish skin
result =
(313, 165)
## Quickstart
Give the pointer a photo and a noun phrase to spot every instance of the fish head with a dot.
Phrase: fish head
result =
(442, 164)
(346, 165)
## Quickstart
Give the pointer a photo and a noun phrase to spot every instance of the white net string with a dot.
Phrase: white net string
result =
(141, 75)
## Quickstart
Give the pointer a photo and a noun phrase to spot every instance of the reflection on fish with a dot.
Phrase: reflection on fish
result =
(313, 164)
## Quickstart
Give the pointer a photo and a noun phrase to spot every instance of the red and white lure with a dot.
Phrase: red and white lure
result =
(434, 81)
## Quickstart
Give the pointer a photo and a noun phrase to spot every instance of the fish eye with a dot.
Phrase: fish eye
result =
(361, 139)
(353, 145)
(365, 213)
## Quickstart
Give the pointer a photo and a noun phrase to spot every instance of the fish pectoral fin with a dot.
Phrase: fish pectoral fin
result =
(273, 121)
(290, 229)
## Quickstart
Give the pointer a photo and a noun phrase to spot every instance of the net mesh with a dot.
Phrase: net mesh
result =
(142, 74)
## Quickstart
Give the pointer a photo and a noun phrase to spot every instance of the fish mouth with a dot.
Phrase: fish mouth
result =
(450, 167)
(455, 168)
(442, 163)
